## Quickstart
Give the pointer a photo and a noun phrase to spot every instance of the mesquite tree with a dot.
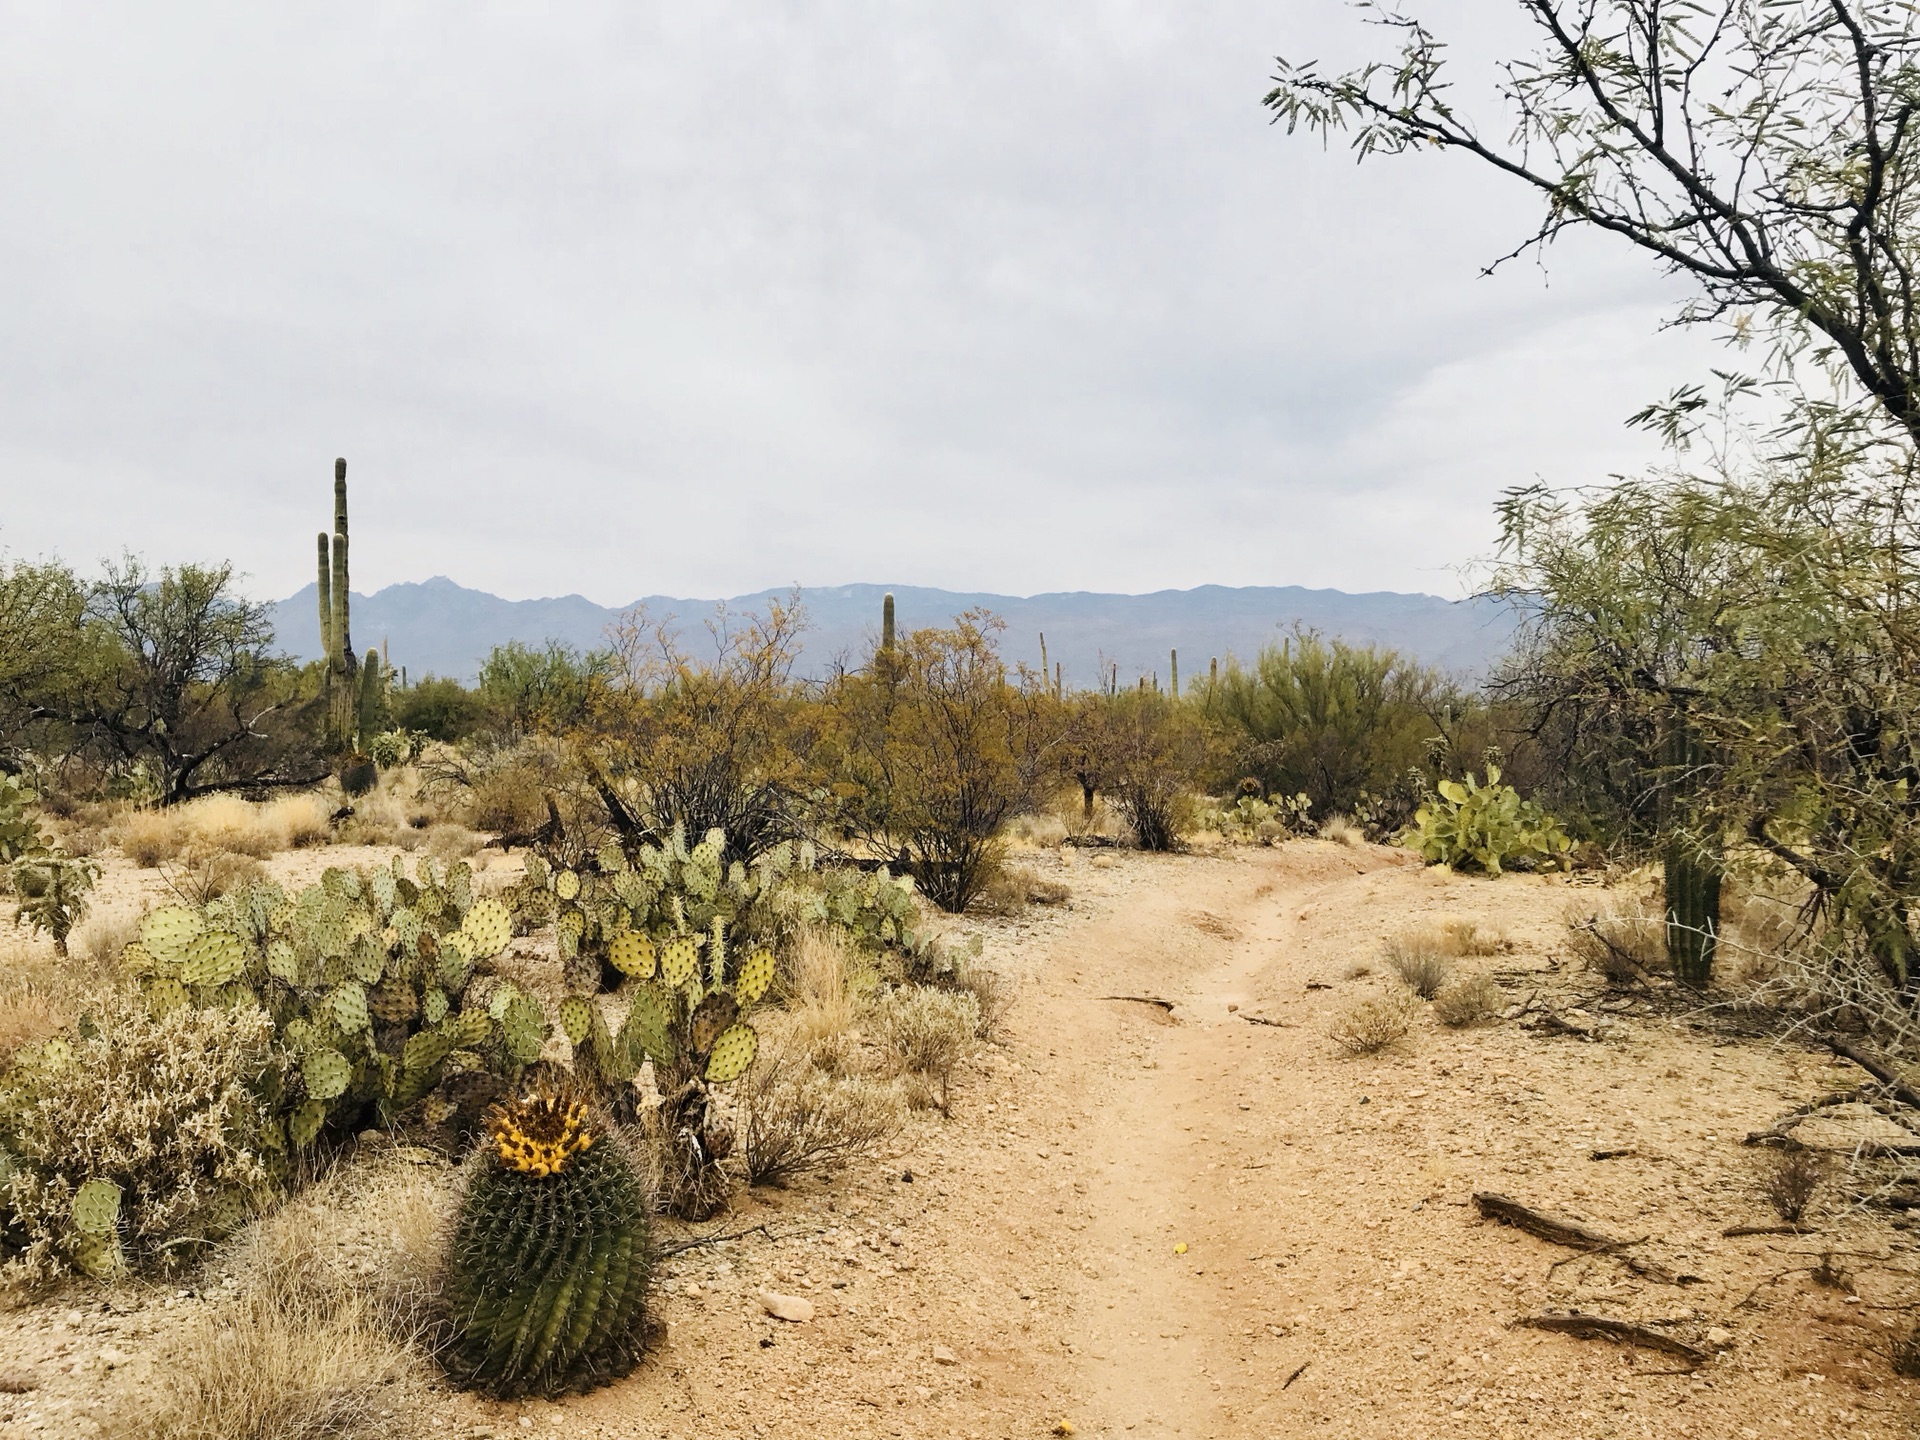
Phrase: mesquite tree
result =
(1764, 149)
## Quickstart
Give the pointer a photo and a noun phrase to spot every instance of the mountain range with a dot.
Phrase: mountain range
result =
(439, 627)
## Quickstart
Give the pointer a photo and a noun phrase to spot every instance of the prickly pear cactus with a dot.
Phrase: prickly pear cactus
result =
(550, 1257)
(369, 978)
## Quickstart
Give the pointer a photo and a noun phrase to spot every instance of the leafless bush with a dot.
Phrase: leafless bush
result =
(197, 875)
(1012, 888)
(1420, 961)
(1625, 943)
(1790, 1179)
(1468, 1001)
(1369, 1026)
(796, 1120)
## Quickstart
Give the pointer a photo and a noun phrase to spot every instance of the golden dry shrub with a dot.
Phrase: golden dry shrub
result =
(1420, 960)
(1468, 1001)
(163, 1107)
(1343, 831)
(149, 837)
(335, 1292)
(1367, 1027)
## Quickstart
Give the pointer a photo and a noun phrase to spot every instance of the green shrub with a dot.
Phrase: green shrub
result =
(19, 830)
(1488, 827)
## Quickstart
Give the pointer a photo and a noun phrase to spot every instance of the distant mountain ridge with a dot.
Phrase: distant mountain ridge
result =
(439, 627)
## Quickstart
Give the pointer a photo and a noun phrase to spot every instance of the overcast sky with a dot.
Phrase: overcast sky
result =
(630, 298)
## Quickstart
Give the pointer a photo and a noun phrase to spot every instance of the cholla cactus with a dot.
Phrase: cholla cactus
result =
(550, 1257)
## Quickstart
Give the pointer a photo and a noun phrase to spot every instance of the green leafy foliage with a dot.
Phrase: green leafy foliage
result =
(1487, 827)
(19, 829)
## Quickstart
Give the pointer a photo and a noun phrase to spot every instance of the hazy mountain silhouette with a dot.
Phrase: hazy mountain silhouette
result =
(438, 627)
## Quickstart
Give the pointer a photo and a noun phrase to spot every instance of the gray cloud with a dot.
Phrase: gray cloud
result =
(618, 299)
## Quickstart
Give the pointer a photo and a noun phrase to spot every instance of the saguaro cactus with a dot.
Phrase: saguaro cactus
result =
(1173, 675)
(345, 699)
(886, 622)
(1692, 877)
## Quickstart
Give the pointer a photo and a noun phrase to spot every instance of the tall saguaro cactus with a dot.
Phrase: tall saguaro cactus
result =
(886, 622)
(346, 700)
(1173, 677)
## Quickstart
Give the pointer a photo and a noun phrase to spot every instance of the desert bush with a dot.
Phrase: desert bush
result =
(1468, 1001)
(1368, 1026)
(451, 842)
(1471, 826)
(161, 1111)
(20, 833)
(199, 877)
(441, 709)
(929, 752)
(1330, 719)
(1014, 887)
(1790, 1179)
(1624, 942)
(149, 837)
(1154, 751)
(1465, 937)
(929, 1030)
(827, 981)
(1419, 960)
(797, 1120)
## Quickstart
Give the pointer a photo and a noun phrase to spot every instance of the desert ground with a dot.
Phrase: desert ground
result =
(1166, 1204)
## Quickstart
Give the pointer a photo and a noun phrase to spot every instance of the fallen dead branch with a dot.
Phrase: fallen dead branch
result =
(1614, 1152)
(1574, 1236)
(1595, 1327)
(1298, 1371)
(1262, 1020)
(1735, 1231)
(1896, 1084)
(1570, 1233)
(1166, 1005)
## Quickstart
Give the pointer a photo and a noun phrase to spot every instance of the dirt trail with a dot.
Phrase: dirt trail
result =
(1334, 1278)
(1148, 1223)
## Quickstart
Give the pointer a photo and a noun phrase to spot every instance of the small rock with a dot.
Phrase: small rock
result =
(896, 1237)
(791, 1308)
(1719, 1337)
(943, 1356)
(111, 1357)
(16, 1382)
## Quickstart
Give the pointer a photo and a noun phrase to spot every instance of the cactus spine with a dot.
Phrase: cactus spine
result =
(551, 1256)
(1692, 875)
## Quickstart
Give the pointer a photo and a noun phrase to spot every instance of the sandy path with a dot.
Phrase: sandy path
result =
(1018, 1267)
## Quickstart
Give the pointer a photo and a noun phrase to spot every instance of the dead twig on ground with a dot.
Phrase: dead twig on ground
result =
(1166, 1005)
(680, 1247)
(1735, 1231)
(1621, 1332)
(1299, 1370)
(1615, 1152)
(1574, 1236)
(1262, 1020)
(1880, 1069)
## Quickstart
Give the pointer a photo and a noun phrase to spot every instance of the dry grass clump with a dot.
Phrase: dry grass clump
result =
(337, 1291)
(449, 842)
(101, 937)
(929, 1030)
(1465, 937)
(1367, 1027)
(1012, 888)
(164, 1108)
(1043, 832)
(1625, 942)
(796, 1119)
(1421, 961)
(199, 876)
(826, 980)
(1790, 1179)
(1343, 831)
(224, 823)
(1469, 1000)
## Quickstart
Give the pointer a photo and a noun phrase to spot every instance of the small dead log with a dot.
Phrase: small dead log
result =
(1165, 1005)
(1574, 1236)
(1570, 1233)
(1734, 1232)
(1595, 1327)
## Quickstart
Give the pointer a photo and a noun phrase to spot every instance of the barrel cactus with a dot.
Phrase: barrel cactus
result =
(551, 1255)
